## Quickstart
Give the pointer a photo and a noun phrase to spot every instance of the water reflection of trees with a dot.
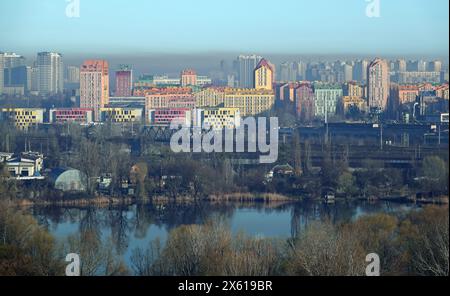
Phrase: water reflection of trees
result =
(120, 223)
(304, 213)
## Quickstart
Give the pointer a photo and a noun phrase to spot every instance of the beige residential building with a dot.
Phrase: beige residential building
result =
(251, 102)
(378, 81)
(353, 101)
(209, 97)
(264, 75)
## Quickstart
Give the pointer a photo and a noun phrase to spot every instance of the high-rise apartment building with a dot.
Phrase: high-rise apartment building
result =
(419, 77)
(360, 71)
(124, 81)
(403, 94)
(326, 100)
(188, 78)
(246, 66)
(166, 98)
(12, 60)
(435, 66)
(348, 72)
(378, 85)
(304, 102)
(250, 102)
(20, 77)
(421, 66)
(51, 75)
(209, 97)
(401, 65)
(264, 75)
(94, 85)
(288, 72)
(353, 89)
(11, 63)
(73, 74)
(301, 70)
(34, 79)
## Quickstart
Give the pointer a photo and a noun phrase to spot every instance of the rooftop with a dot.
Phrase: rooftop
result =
(264, 63)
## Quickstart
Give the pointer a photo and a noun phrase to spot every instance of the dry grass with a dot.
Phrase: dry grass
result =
(249, 197)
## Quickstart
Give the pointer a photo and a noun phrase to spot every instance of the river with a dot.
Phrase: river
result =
(130, 227)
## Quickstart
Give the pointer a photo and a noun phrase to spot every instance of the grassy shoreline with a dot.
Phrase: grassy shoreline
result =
(104, 201)
(238, 197)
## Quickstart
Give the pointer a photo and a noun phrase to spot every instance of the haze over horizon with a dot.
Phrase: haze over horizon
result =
(205, 63)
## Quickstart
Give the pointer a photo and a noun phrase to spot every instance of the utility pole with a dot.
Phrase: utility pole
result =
(381, 136)
(439, 135)
(326, 121)
(7, 142)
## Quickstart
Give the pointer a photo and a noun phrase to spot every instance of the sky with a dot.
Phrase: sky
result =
(181, 27)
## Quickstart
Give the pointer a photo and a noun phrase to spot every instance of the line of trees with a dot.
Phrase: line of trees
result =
(417, 244)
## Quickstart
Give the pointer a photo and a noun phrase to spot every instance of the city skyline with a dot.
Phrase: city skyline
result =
(204, 65)
(256, 139)
(227, 28)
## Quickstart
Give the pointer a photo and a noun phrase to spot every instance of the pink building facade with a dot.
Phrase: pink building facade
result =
(124, 83)
(166, 116)
(304, 102)
(76, 115)
(188, 77)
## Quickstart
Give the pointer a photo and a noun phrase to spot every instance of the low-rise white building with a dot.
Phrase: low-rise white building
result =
(26, 166)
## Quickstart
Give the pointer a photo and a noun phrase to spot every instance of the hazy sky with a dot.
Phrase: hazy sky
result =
(130, 27)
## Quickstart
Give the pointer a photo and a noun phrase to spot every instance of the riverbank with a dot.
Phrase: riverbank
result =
(105, 201)
(439, 200)
(251, 197)
(255, 198)
(97, 201)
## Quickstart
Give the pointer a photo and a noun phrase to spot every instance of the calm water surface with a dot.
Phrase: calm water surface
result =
(130, 227)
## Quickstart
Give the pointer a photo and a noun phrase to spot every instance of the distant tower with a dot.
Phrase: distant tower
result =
(287, 72)
(436, 66)
(245, 67)
(188, 77)
(94, 85)
(348, 72)
(124, 81)
(11, 63)
(401, 65)
(73, 74)
(378, 85)
(263, 75)
(421, 66)
(360, 71)
(50, 72)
